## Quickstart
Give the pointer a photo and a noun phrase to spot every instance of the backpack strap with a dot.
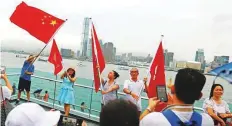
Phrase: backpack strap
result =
(196, 119)
(172, 118)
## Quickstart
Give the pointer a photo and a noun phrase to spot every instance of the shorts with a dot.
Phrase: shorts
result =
(24, 84)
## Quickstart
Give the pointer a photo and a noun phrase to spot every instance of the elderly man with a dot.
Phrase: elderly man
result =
(133, 88)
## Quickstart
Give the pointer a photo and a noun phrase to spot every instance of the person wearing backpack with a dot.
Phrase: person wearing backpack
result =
(187, 89)
(109, 87)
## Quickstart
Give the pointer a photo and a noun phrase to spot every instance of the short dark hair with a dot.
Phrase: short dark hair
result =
(188, 85)
(212, 89)
(119, 113)
(82, 103)
(116, 75)
(46, 92)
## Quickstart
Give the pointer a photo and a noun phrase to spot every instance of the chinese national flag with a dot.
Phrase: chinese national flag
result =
(157, 73)
(55, 58)
(98, 59)
(38, 23)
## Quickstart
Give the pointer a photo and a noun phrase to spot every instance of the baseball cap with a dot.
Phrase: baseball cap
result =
(31, 114)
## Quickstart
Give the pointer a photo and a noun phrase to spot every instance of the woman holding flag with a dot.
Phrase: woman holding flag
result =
(66, 95)
(109, 87)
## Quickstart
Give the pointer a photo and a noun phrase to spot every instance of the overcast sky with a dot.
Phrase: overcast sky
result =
(134, 25)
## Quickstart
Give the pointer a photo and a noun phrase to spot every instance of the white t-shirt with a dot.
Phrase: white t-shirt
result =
(6, 92)
(135, 87)
(158, 119)
(217, 108)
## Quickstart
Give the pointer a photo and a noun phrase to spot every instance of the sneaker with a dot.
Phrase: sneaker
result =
(17, 101)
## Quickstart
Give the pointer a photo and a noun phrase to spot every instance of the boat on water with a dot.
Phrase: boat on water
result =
(43, 60)
(20, 56)
(80, 64)
(123, 68)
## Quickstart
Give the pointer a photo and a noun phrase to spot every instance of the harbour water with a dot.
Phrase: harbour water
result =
(85, 76)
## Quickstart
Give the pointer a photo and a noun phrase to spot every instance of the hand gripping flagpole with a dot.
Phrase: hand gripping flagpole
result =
(45, 46)
(149, 71)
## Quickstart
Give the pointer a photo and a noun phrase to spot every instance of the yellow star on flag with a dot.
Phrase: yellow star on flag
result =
(53, 22)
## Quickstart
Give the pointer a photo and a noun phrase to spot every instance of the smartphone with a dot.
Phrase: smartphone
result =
(69, 121)
(3, 69)
(162, 93)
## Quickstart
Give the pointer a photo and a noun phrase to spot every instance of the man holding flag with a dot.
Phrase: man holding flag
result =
(133, 88)
(25, 77)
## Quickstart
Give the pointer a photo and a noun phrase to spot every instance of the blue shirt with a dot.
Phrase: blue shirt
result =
(30, 69)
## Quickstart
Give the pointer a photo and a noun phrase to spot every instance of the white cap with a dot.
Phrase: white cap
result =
(31, 114)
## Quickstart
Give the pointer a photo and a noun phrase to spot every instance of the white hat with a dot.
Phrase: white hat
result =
(31, 114)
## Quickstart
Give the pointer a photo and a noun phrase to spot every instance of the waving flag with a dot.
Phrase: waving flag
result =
(55, 58)
(157, 77)
(98, 59)
(224, 71)
(38, 23)
(157, 72)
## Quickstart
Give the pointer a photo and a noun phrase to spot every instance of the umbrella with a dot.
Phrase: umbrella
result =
(224, 71)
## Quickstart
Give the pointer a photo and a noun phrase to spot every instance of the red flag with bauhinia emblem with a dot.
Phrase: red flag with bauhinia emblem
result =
(100, 56)
(96, 73)
(38, 23)
(98, 59)
(157, 73)
(55, 58)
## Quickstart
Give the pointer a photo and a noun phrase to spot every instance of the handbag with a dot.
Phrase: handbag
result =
(6, 107)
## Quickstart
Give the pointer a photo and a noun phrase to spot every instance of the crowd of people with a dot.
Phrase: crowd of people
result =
(187, 89)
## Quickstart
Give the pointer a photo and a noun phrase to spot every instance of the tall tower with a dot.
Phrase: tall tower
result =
(85, 37)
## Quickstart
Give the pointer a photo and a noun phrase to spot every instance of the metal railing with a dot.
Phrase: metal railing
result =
(90, 116)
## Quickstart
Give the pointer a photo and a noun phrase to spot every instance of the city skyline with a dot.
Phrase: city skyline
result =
(186, 25)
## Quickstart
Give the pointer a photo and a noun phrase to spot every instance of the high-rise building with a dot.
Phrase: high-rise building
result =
(108, 51)
(200, 57)
(89, 49)
(85, 37)
(114, 53)
(66, 53)
(221, 60)
(168, 57)
(129, 56)
(78, 53)
(124, 57)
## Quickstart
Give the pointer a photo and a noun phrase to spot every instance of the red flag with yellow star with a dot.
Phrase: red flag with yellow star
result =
(38, 23)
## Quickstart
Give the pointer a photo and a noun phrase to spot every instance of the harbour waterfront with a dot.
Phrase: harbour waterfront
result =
(85, 76)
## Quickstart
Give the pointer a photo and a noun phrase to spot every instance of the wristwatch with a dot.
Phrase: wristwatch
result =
(130, 92)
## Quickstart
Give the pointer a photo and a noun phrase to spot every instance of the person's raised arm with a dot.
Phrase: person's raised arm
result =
(152, 102)
(145, 85)
(63, 75)
(8, 85)
(72, 79)
(113, 88)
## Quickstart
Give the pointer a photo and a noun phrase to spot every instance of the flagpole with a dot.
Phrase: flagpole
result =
(140, 92)
(45, 46)
(54, 99)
